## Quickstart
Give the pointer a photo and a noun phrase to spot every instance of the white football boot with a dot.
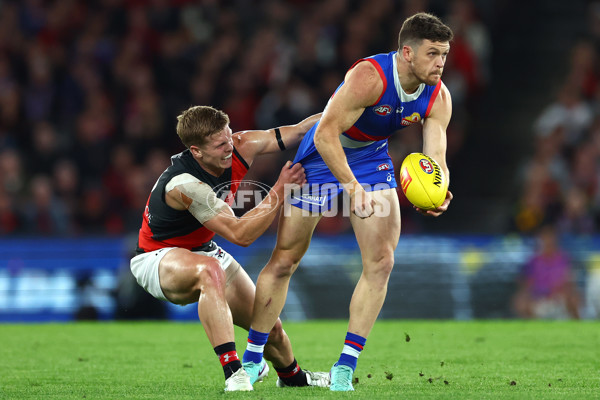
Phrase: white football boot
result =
(316, 379)
(239, 381)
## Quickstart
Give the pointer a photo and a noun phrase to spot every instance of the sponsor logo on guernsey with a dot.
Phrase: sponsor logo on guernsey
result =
(411, 119)
(383, 167)
(399, 110)
(311, 199)
(426, 166)
(383, 110)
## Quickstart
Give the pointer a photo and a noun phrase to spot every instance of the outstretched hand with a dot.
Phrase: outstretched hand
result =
(440, 210)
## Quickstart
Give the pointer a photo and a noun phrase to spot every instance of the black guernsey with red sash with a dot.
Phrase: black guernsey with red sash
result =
(163, 226)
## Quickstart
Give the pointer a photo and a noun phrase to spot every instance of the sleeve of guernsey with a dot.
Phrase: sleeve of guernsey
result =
(205, 203)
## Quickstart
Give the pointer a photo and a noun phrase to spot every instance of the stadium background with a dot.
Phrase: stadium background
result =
(89, 92)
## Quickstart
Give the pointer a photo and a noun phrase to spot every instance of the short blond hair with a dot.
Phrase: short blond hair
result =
(197, 123)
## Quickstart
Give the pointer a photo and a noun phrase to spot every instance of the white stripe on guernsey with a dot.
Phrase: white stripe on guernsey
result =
(353, 144)
(404, 97)
(351, 351)
(255, 348)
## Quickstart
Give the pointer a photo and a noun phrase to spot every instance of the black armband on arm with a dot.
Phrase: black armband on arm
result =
(279, 141)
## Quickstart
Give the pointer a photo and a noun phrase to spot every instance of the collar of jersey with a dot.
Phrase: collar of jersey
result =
(405, 98)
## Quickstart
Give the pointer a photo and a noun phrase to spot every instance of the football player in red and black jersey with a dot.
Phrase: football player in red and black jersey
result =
(178, 261)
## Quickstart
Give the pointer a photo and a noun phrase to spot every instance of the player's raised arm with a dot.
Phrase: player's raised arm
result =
(434, 139)
(362, 87)
(253, 143)
(201, 201)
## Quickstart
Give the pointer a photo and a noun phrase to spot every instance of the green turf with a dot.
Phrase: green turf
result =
(402, 359)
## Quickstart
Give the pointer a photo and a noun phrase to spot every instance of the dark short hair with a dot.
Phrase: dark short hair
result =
(423, 26)
(197, 123)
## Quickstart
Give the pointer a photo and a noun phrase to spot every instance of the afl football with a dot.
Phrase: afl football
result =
(423, 181)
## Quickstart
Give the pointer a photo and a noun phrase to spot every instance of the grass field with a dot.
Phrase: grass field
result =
(402, 359)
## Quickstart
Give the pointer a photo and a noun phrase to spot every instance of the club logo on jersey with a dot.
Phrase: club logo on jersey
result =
(383, 167)
(405, 179)
(426, 166)
(411, 119)
(383, 110)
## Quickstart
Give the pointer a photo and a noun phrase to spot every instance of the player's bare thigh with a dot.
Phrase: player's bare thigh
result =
(381, 231)
(240, 297)
(296, 227)
(179, 273)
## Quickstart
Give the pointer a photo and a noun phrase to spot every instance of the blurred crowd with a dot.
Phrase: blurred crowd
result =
(90, 91)
(561, 180)
(560, 189)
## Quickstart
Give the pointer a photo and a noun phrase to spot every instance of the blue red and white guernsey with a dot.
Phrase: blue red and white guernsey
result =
(163, 226)
(365, 143)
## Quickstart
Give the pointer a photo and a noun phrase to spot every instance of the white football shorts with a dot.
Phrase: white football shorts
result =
(145, 268)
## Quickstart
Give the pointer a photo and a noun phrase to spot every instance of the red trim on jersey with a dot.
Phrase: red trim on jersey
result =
(383, 78)
(189, 241)
(238, 171)
(433, 97)
(379, 70)
(228, 357)
(359, 135)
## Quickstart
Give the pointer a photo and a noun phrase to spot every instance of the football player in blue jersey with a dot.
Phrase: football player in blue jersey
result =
(347, 148)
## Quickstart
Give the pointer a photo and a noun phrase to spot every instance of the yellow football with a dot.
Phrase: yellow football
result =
(423, 181)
